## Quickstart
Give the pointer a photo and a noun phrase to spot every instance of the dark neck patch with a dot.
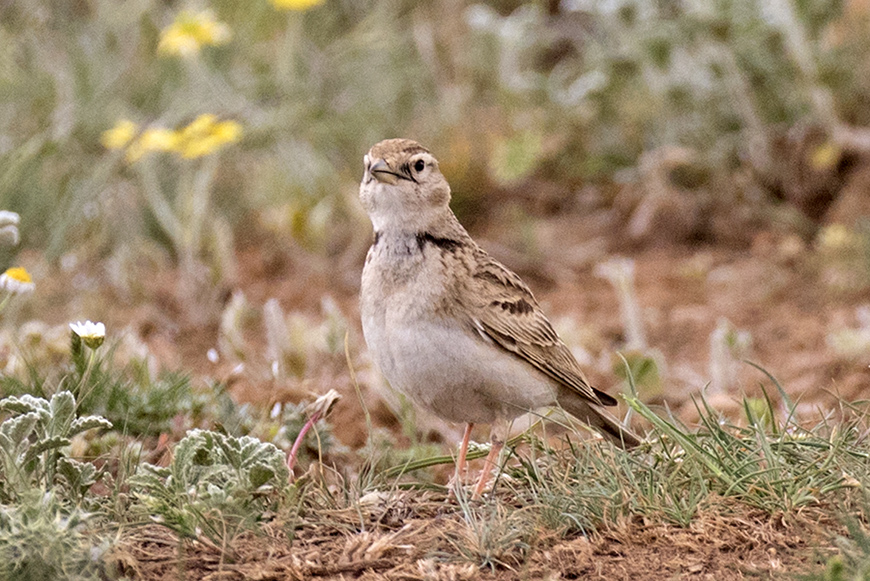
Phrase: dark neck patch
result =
(447, 244)
(377, 239)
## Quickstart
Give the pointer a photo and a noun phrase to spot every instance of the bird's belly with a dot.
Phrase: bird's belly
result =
(449, 371)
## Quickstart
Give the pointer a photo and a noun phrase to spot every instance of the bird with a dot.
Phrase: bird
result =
(454, 330)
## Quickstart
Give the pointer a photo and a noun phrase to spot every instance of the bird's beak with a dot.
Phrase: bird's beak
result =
(381, 172)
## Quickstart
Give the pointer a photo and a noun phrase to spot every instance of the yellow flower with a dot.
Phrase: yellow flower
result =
(199, 127)
(120, 135)
(227, 131)
(159, 139)
(836, 237)
(16, 281)
(190, 32)
(153, 139)
(203, 136)
(296, 4)
(206, 135)
(825, 156)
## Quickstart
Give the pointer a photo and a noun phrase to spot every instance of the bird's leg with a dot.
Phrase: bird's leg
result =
(488, 466)
(463, 452)
(459, 476)
(497, 438)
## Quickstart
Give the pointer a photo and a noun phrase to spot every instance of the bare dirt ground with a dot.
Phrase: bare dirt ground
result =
(417, 536)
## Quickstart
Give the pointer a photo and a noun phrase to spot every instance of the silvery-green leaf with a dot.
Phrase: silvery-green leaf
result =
(187, 448)
(260, 474)
(63, 411)
(19, 428)
(231, 451)
(43, 445)
(20, 405)
(79, 475)
(89, 423)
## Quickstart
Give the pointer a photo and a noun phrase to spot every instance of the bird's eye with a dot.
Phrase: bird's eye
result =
(419, 165)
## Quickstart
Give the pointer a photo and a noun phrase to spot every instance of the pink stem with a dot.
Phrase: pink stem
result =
(291, 458)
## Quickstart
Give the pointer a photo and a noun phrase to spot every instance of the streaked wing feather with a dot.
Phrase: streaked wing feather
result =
(510, 316)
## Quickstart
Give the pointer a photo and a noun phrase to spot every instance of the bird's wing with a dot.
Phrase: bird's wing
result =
(506, 312)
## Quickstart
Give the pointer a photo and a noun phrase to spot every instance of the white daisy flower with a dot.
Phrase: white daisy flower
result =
(9, 228)
(16, 281)
(91, 334)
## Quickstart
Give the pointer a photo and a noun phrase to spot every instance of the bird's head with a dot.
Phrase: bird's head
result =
(402, 186)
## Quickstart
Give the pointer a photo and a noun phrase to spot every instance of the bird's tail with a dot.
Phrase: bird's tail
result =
(599, 418)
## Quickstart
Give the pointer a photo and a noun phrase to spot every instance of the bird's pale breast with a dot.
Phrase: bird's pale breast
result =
(440, 363)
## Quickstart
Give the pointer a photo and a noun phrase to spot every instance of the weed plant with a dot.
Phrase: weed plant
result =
(217, 487)
(41, 538)
(768, 462)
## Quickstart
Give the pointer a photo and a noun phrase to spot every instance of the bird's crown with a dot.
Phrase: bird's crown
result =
(392, 148)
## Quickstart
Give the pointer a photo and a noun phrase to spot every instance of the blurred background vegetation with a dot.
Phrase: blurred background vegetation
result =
(506, 93)
(179, 154)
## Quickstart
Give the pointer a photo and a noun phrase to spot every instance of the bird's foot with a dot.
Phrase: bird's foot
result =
(458, 484)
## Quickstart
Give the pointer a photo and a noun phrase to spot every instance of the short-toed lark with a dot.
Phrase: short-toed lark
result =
(449, 326)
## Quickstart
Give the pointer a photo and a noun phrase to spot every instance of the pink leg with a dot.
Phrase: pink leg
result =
(458, 478)
(463, 451)
(489, 466)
